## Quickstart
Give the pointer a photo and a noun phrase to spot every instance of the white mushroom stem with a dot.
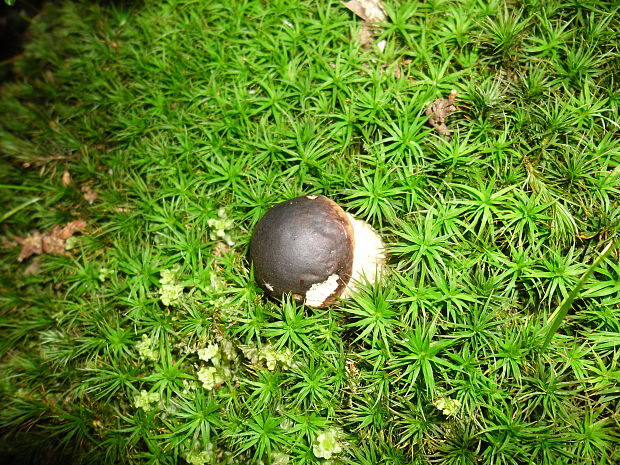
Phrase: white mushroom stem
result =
(320, 292)
(368, 262)
(368, 256)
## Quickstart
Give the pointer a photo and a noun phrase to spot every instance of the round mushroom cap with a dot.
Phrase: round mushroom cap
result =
(300, 244)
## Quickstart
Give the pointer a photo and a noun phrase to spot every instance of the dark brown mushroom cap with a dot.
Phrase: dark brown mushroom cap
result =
(301, 242)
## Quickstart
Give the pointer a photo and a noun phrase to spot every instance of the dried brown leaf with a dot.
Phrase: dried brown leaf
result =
(397, 71)
(89, 194)
(71, 228)
(7, 243)
(439, 111)
(370, 11)
(52, 242)
(366, 36)
(221, 249)
(66, 178)
(31, 245)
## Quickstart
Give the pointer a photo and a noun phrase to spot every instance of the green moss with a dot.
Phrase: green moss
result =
(190, 118)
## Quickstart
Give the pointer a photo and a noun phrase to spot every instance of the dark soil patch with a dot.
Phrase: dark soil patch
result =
(14, 21)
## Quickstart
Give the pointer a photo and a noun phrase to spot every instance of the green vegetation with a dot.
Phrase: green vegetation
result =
(178, 123)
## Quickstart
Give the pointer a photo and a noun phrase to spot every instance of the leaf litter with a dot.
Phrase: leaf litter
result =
(66, 179)
(52, 242)
(89, 194)
(439, 111)
(372, 12)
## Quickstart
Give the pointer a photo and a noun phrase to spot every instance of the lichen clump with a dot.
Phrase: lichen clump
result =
(170, 290)
(220, 227)
(145, 399)
(327, 444)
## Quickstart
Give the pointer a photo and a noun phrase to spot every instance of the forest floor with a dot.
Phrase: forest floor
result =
(141, 142)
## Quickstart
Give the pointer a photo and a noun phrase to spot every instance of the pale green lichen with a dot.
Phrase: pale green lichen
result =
(449, 407)
(104, 273)
(211, 353)
(210, 377)
(270, 356)
(145, 400)
(228, 349)
(287, 425)
(170, 291)
(145, 349)
(220, 227)
(221, 355)
(206, 456)
(327, 444)
(71, 242)
(280, 458)
(251, 353)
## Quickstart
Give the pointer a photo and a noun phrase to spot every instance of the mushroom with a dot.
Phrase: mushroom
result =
(311, 248)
